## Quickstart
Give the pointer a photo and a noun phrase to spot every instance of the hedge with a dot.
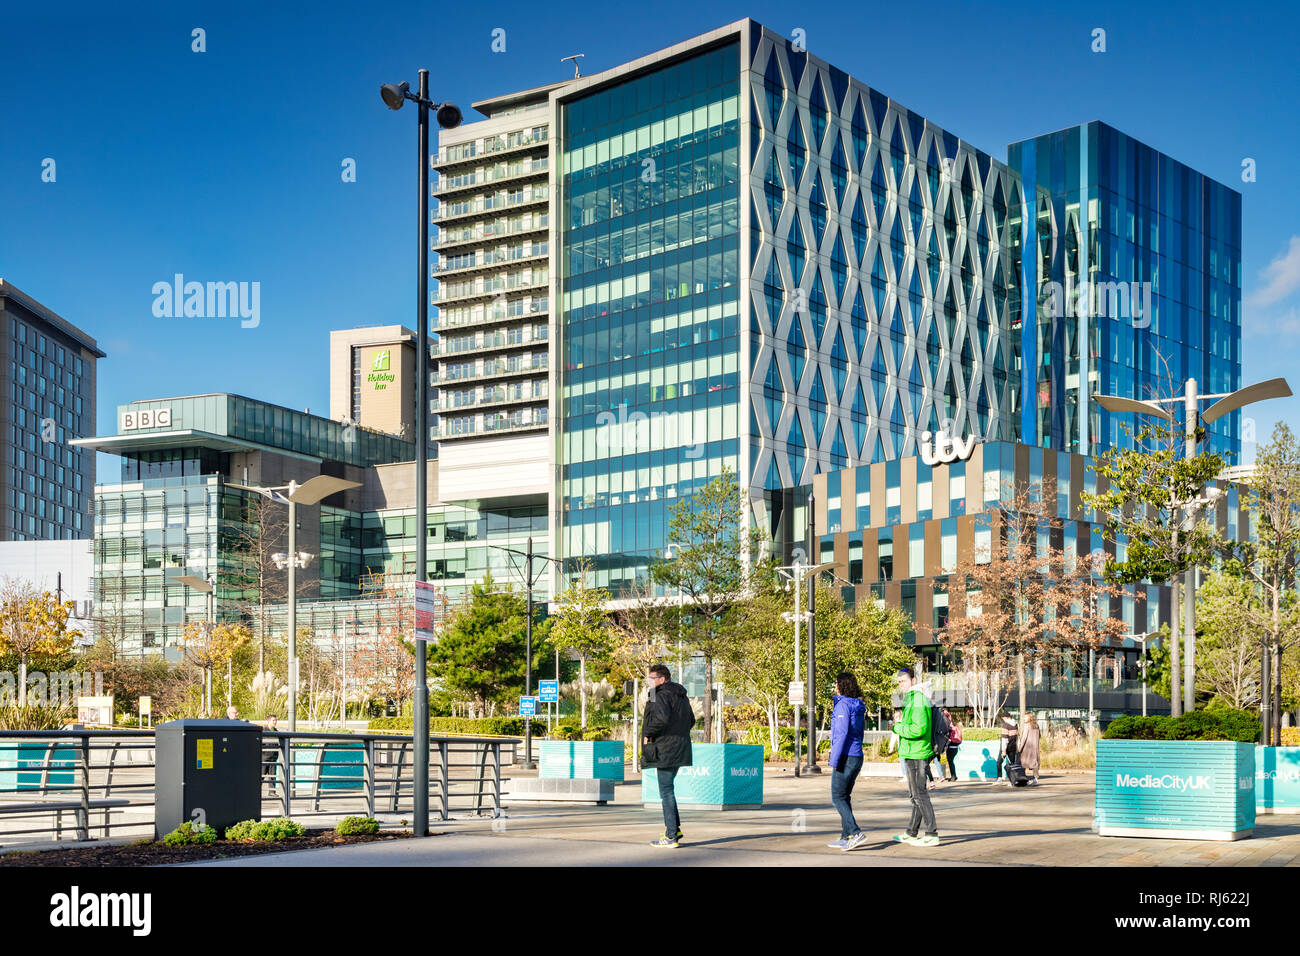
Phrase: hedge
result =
(1215, 723)
(471, 726)
(1291, 736)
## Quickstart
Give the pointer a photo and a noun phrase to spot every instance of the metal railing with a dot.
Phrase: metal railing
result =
(101, 781)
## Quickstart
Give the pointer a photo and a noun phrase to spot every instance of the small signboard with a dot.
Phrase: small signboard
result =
(95, 710)
(548, 691)
(146, 706)
(527, 706)
(796, 692)
(426, 605)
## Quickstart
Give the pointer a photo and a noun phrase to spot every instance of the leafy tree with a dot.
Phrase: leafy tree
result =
(868, 643)
(480, 652)
(1228, 653)
(32, 624)
(579, 626)
(760, 652)
(641, 631)
(210, 647)
(1148, 498)
(720, 558)
(1270, 560)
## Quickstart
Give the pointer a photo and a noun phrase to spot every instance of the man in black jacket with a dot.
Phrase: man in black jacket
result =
(668, 722)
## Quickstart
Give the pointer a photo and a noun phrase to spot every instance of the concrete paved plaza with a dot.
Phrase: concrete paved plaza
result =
(980, 824)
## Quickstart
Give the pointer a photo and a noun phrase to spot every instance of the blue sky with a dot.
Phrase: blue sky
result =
(225, 165)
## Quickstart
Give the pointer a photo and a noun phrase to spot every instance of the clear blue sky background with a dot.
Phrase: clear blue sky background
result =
(225, 165)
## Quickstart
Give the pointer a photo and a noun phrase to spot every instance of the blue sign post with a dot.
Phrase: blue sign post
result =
(527, 706)
(548, 691)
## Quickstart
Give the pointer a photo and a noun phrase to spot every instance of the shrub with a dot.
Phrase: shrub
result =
(1291, 736)
(188, 833)
(470, 726)
(980, 733)
(35, 716)
(1216, 723)
(352, 825)
(265, 831)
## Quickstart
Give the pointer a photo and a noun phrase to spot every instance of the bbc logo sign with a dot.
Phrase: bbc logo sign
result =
(147, 418)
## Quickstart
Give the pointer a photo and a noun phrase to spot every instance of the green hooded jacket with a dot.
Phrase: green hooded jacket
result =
(914, 728)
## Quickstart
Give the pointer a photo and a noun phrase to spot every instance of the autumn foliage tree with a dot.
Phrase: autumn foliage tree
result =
(1023, 601)
(32, 623)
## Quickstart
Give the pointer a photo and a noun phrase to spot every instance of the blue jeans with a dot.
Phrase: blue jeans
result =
(841, 790)
(665, 777)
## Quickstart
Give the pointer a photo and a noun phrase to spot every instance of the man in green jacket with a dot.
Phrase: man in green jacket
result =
(916, 752)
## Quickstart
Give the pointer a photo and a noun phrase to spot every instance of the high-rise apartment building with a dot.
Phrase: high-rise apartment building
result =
(493, 270)
(47, 380)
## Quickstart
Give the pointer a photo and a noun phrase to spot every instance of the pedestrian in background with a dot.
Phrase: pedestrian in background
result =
(954, 741)
(848, 721)
(667, 746)
(915, 752)
(1028, 747)
(1009, 734)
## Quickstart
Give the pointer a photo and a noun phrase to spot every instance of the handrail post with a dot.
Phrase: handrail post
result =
(370, 776)
(286, 771)
(443, 751)
(83, 815)
(496, 782)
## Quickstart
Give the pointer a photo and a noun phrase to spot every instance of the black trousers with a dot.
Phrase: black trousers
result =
(1008, 754)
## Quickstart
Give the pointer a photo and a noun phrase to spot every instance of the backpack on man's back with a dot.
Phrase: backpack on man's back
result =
(940, 731)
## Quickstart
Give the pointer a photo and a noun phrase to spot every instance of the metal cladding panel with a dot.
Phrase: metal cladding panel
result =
(1277, 779)
(720, 775)
(1207, 786)
(582, 759)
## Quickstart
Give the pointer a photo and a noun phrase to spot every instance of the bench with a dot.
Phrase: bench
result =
(59, 807)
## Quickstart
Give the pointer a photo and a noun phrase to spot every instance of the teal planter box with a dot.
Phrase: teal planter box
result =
(721, 776)
(1277, 779)
(1176, 789)
(581, 760)
(23, 767)
(331, 767)
(976, 760)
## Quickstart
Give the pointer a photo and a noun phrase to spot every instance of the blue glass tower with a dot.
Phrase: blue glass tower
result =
(1136, 259)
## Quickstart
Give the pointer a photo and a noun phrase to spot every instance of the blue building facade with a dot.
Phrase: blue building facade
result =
(1137, 266)
(767, 265)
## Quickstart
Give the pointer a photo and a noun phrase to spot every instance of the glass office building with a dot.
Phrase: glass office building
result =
(1137, 263)
(47, 398)
(177, 511)
(650, 303)
(770, 266)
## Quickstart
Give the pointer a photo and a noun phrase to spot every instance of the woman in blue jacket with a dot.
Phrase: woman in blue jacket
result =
(848, 720)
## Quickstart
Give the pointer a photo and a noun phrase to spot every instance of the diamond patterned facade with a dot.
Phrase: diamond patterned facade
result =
(883, 284)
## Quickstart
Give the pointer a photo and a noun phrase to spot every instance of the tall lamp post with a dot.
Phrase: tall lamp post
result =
(529, 582)
(204, 586)
(797, 573)
(448, 115)
(1226, 403)
(310, 492)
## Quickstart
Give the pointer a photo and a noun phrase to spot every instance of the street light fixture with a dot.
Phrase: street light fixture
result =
(1227, 402)
(797, 573)
(448, 116)
(310, 492)
(529, 583)
(207, 588)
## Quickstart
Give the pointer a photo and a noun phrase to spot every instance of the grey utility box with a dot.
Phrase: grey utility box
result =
(210, 765)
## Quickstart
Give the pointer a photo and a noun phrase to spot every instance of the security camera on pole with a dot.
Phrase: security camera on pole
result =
(448, 115)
